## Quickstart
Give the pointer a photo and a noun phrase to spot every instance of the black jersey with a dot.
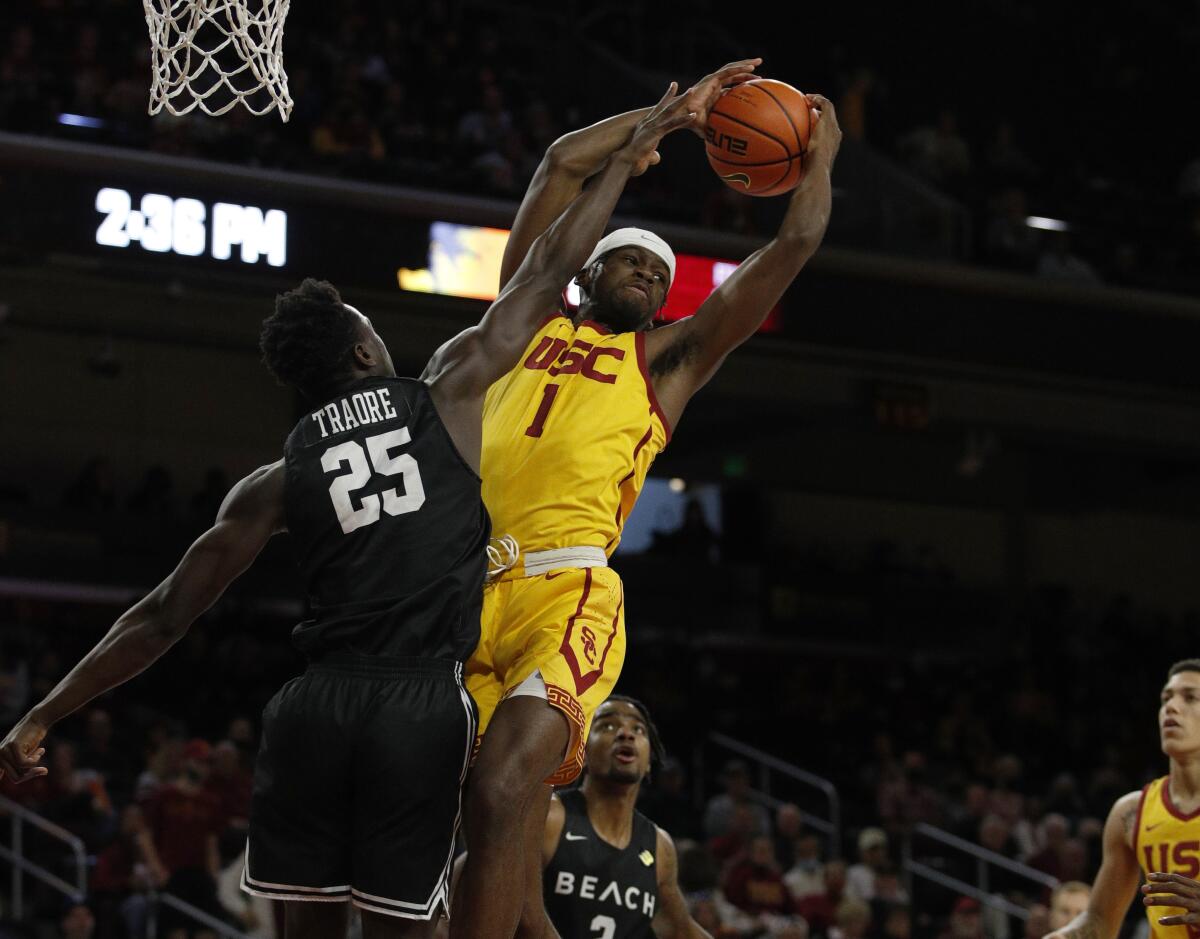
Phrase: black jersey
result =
(389, 525)
(596, 891)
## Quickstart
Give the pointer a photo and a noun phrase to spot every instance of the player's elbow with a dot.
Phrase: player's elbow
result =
(563, 158)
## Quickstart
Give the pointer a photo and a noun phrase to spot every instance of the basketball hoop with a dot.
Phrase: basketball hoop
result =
(215, 54)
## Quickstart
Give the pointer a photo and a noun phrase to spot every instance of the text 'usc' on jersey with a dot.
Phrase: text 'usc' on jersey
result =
(568, 437)
(389, 526)
(1166, 840)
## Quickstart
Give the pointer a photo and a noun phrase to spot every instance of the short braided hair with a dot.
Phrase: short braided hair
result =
(306, 343)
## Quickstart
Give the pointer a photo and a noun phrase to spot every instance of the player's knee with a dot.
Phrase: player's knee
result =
(494, 800)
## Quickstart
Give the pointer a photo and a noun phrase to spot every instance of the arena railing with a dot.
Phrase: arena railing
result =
(14, 854)
(830, 824)
(983, 859)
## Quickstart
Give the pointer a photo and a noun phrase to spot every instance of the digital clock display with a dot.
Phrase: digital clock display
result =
(191, 228)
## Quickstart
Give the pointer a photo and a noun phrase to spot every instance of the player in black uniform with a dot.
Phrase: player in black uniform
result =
(608, 871)
(356, 789)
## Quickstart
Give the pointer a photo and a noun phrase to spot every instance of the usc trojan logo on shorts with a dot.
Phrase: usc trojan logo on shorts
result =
(589, 644)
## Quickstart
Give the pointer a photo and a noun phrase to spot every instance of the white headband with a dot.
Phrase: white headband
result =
(625, 237)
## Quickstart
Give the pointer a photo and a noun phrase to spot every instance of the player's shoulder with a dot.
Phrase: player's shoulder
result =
(664, 843)
(1123, 818)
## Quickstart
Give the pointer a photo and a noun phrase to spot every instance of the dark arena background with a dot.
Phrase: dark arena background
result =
(915, 565)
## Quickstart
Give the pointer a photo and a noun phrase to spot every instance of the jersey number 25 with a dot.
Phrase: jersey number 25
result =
(343, 488)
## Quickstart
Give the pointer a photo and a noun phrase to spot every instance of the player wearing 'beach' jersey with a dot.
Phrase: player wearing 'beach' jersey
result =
(569, 435)
(1155, 833)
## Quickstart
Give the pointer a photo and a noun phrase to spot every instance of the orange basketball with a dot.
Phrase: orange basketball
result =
(756, 138)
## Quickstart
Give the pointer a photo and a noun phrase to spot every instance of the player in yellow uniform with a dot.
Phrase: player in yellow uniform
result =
(569, 436)
(1155, 832)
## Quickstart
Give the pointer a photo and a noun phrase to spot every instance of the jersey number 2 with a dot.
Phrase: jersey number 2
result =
(604, 927)
(342, 488)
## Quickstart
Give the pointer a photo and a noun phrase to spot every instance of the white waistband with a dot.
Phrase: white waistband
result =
(539, 562)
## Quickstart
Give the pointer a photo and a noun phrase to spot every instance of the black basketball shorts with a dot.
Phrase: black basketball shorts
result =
(357, 785)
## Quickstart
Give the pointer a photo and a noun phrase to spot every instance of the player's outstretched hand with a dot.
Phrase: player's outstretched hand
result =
(705, 93)
(670, 114)
(20, 753)
(1177, 891)
(826, 136)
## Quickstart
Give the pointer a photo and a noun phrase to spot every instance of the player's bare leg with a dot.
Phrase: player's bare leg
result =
(314, 920)
(379, 926)
(535, 924)
(524, 744)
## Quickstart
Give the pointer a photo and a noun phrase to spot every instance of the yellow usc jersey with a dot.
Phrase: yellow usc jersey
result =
(568, 437)
(1164, 839)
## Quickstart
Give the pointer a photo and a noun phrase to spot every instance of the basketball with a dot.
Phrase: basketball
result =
(756, 138)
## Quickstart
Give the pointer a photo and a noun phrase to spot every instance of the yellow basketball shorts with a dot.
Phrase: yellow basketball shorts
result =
(568, 625)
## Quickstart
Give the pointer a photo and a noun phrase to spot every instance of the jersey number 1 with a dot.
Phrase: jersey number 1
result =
(342, 488)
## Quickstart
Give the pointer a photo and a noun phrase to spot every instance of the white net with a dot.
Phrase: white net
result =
(215, 54)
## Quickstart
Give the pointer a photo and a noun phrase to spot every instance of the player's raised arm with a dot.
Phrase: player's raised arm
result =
(468, 364)
(575, 157)
(685, 355)
(252, 512)
(672, 920)
(1117, 881)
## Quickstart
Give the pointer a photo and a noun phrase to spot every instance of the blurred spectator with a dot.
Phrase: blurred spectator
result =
(124, 871)
(938, 152)
(185, 815)
(852, 921)
(755, 885)
(153, 495)
(665, 801)
(807, 873)
(872, 857)
(820, 909)
(897, 921)
(789, 829)
(1059, 262)
(253, 915)
(14, 681)
(164, 765)
(1189, 180)
(966, 921)
(1038, 923)
(77, 923)
(346, 138)
(1009, 241)
(853, 105)
(98, 753)
(1064, 798)
(230, 784)
(488, 123)
(1004, 162)
(737, 836)
(92, 493)
(76, 798)
(1067, 901)
(694, 539)
(907, 798)
(242, 735)
(719, 813)
(207, 500)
